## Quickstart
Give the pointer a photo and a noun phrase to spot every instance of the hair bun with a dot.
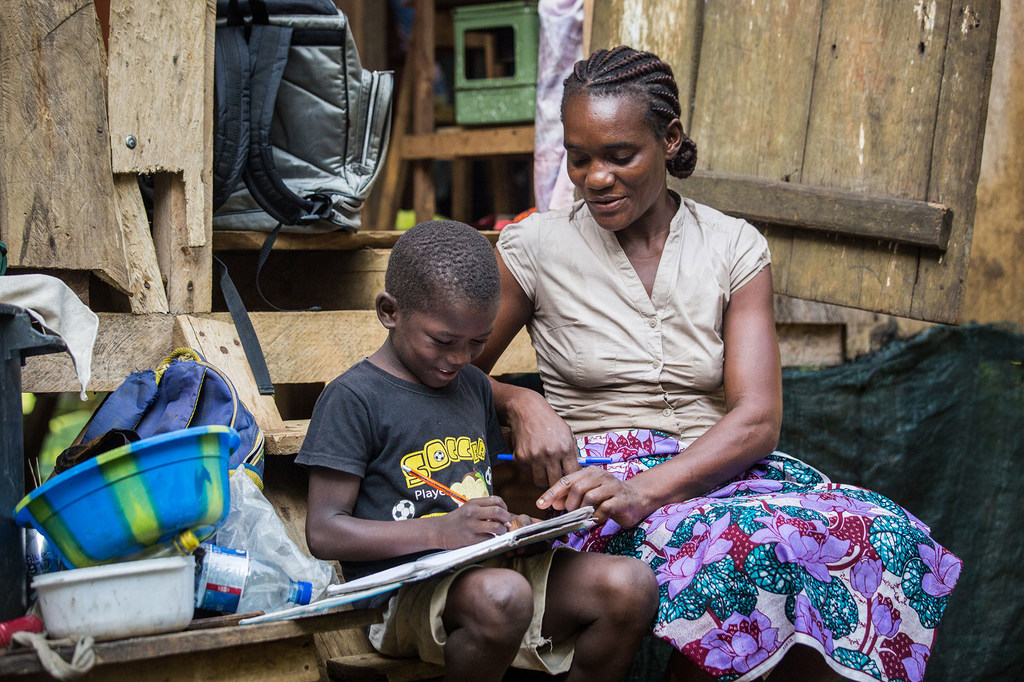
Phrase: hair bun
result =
(684, 162)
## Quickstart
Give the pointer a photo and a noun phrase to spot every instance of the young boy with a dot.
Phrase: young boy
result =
(418, 402)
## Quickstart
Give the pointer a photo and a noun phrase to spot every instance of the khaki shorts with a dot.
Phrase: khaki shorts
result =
(412, 622)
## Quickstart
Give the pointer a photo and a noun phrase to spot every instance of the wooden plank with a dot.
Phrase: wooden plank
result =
(903, 221)
(959, 137)
(195, 642)
(287, 439)
(669, 28)
(146, 285)
(422, 46)
(385, 197)
(124, 344)
(873, 112)
(57, 204)
(754, 87)
(993, 292)
(752, 97)
(374, 667)
(188, 269)
(301, 348)
(161, 98)
(894, 106)
(293, 659)
(811, 345)
(237, 240)
(217, 341)
(456, 142)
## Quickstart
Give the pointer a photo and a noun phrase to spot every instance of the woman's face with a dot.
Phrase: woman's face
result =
(616, 161)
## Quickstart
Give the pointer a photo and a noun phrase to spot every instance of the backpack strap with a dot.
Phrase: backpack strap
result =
(268, 49)
(231, 95)
(246, 333)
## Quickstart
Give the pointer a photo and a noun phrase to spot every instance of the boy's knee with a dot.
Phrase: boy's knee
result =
(498, 603)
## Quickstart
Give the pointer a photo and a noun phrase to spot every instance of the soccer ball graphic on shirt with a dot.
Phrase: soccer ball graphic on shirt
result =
(403, 509)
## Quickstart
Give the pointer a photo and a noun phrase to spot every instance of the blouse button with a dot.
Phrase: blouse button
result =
(667, 412)
(655, 364)
(653, 323)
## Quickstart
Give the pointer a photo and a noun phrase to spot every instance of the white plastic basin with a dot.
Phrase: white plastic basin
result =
(115, 601)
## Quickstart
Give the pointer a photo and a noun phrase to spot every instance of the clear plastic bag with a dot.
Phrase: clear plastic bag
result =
(252, 524)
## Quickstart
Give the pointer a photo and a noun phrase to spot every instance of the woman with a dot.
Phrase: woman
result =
(652, 321)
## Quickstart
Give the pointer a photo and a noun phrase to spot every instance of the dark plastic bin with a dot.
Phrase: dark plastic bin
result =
(18, 340)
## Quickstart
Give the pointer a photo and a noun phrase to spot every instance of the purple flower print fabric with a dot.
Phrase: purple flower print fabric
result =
(778, 556)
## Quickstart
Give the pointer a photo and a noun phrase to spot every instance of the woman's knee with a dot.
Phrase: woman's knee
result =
(621, 588)
(630, 588)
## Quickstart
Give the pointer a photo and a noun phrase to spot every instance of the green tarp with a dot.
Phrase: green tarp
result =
(937, 424)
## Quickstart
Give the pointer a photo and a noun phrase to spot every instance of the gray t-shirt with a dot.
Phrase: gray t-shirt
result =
(369, 423)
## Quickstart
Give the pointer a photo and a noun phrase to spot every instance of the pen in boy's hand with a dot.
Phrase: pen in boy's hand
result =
(584, 461)
(459, 499)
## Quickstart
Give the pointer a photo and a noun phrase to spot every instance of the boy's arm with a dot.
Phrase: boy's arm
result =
(333, 533)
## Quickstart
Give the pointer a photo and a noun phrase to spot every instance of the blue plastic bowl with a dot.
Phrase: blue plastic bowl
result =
(135, 496)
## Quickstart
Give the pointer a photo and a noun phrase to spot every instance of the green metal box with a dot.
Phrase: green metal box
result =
(496, 64)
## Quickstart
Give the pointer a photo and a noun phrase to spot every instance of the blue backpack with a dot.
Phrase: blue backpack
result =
(184, 390)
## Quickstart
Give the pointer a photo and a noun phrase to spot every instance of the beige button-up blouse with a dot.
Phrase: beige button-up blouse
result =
(610, 356)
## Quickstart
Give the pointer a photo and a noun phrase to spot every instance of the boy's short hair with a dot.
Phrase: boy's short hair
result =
(439, 261)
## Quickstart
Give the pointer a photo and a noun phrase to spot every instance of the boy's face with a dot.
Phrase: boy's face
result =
(431, 347)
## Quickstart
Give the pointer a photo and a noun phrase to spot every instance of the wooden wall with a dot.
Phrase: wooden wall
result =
(807, 114)
(995, 280)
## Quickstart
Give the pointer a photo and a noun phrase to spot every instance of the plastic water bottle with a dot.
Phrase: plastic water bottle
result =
(234, 581)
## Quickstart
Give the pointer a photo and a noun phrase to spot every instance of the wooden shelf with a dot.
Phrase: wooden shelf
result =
(182, 655)
(240, 240)
(456, 142)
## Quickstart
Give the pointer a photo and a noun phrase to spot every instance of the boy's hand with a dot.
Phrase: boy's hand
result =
(534, 547)
(479, 519)
(521, 520)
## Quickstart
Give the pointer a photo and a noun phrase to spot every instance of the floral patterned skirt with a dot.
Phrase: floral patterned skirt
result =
(778, 556)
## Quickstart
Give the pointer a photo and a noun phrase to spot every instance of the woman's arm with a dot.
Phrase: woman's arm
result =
(333, 533)
(544, 444)
(748, 431)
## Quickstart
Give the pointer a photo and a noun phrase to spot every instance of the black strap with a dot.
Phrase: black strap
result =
(246, 332)
(231, 96)
(268, 47)
(261, 260)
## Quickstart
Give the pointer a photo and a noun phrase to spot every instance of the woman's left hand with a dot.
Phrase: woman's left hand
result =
(610, 497)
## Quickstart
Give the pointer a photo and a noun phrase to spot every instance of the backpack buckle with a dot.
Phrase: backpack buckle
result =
(321, 209)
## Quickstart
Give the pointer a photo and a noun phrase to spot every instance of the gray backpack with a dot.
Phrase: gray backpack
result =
(298, 119)
(301, 130)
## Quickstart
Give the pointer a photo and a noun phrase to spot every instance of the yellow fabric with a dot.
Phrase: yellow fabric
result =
(412, 623)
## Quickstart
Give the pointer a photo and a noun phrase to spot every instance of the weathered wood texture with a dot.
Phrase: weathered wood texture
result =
(377, 668)
(57, 202)
(146, 286)
(887, 100)
(301, 348)
(226, 240)
(456, 142)
(245, 652)
(161, 118)
(159, 97)
(994, 291)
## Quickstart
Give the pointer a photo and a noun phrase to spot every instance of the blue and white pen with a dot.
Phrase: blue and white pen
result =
(584, 461)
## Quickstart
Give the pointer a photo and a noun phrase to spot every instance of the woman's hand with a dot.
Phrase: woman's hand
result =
(610, 497)
(544, 444)
(478, 519)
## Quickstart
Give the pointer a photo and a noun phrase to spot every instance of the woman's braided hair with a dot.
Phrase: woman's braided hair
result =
(623, 70)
